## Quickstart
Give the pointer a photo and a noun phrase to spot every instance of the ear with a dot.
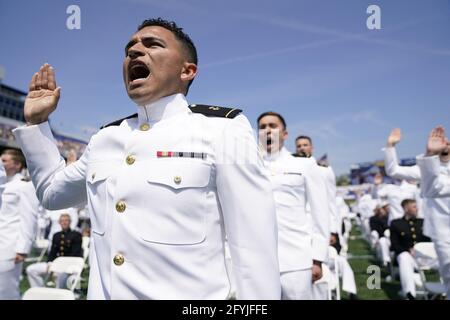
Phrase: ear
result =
(188, 72)
(285, 135)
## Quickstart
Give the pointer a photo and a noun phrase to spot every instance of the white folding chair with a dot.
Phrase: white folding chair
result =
(41, 293)
(69, 265)
(332, 258)
(42, 245)
(425, 255)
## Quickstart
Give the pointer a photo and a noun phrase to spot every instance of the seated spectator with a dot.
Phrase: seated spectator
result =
(66, 243)
(405, 233)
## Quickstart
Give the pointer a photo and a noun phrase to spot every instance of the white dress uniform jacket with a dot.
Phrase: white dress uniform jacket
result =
(296, 181)
(18, 224)
(333, 212)
(435, 186)
(159, 221)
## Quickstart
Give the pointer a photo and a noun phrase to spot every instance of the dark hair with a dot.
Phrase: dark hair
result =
(185, 40)
(407, 202)
(304, 137)
(16, 156)
(271, 113)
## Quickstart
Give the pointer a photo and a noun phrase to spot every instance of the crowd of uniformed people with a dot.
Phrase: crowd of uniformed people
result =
(181, 201)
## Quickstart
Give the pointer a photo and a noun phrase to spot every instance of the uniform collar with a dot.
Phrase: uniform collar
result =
(276, 155)
(15, 177)
(409, 218)
(164, 108)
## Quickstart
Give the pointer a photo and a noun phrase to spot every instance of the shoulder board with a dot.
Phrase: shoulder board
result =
(26, 179)
(322, 164)
(301, 155)
(215, 111)
(118, 122)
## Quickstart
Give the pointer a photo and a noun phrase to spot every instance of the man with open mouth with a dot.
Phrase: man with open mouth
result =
(296, 182)
(164, 186)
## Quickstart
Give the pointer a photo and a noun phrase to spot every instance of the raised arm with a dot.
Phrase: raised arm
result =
(393, 169)
(434, 183)
(57, 186)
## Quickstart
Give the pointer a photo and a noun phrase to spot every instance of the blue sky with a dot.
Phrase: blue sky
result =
(315, 62)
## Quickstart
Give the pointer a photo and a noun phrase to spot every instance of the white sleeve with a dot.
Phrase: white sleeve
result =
(332, 205)
(316, 195)
(248, 209)
(57, 186)
(434, 184)
(394, 170)
(28, 210)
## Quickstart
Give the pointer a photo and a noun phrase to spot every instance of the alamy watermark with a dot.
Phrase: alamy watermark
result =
(373, 22)
(73, 21)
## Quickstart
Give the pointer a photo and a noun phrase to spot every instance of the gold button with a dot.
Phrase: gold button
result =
(130, 160)
(414, 236)
(62, 242)
(61, 248)
(93, 176)
(144, 127)
(121, 206)
(177, 179)
(413, 229)
(119, 260)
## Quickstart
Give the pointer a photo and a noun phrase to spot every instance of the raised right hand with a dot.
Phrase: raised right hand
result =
(394, 137)
(42, 97)
(437, 142)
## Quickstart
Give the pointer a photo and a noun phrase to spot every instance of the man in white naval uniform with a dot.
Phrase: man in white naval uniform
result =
(409, 175)
(18, 223)
(435, 184)
(163, 186)
(305, 148)
(302, 247)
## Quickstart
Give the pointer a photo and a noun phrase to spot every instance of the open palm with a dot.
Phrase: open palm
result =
(394, 137)
(436, 141)
(43, 96)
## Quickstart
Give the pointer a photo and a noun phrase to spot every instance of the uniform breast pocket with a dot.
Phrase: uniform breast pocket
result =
(98, 182)
(9, 203)
(290, 190)
(179, 189)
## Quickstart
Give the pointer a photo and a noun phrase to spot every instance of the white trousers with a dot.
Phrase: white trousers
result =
(384, 250)
(442, 248)
(9, 280)
(406, 265)
(36, 273)
(296, 285)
